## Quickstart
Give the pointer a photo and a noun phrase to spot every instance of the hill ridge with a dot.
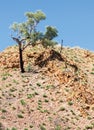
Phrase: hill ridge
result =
(55, 85)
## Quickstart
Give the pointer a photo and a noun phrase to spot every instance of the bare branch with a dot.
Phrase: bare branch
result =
(23, 40)
(26, 45)
(61, 46)
(16, 39)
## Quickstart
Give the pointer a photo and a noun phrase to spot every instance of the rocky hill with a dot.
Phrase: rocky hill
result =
(56, 92)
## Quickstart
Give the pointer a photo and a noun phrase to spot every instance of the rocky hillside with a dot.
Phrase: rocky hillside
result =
(55, 93)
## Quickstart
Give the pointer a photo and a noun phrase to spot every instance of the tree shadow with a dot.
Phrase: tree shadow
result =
(42, 61)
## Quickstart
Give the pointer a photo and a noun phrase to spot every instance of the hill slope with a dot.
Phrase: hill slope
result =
(55, 93)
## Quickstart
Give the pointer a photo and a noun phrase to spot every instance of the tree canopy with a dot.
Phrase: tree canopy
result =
(28, 29)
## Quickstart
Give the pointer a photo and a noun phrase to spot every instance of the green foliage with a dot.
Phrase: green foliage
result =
(58, 127)
(3, 110)
(28, 29)
(25, 129)
(23, 102)
(30, 96)
(29, 68)
(35, 36)
(50, 33)
(35, 17)
(20, 116)
(70, 103)
(14, 128)
(42, 127)
(46, 43)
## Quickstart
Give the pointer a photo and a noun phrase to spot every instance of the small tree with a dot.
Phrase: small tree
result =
(50, 33)
(26, 33)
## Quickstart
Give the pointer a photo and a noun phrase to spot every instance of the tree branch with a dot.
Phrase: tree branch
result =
(26, 45)
(21, 41)
(16, 39)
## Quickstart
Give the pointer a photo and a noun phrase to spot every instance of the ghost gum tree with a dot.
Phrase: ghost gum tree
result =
(26, 34)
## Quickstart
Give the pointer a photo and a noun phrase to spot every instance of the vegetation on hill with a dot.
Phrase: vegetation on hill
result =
(56, 92)
(27, 33)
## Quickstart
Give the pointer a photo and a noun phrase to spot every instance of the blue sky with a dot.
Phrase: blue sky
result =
(74, 19)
